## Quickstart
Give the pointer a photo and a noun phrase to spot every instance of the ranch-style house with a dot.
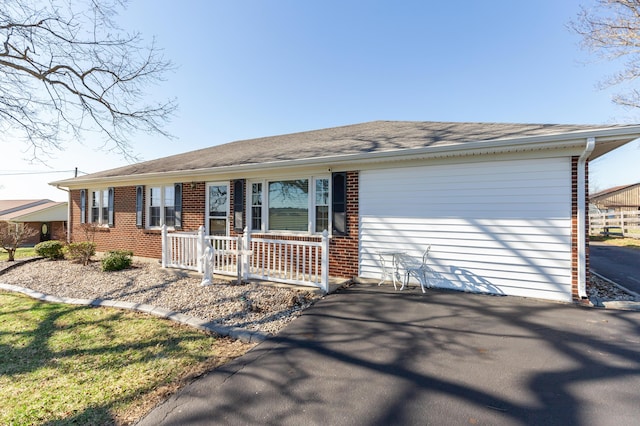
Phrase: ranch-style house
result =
(502, 206)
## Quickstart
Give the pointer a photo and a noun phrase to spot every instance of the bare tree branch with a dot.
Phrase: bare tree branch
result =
(13, 235)
(611, 30)
(67, 69)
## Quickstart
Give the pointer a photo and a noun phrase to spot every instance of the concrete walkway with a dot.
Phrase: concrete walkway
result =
(369, 355)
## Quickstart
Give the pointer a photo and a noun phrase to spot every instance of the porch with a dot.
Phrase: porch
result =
(304, 263)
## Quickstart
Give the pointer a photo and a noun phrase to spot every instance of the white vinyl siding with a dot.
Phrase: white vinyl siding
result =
(502, 227)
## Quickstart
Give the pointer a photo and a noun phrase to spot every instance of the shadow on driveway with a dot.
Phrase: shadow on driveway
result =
(369, 355)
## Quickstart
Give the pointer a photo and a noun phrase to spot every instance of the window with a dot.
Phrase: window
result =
(256, 207)
(101, 203)
(95, 206)
(298, 205)
(289, 205)
(322, 205)
(169, 206)
(165, 206)
(155, 206)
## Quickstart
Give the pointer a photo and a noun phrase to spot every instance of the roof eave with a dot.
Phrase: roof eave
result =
(609, 138)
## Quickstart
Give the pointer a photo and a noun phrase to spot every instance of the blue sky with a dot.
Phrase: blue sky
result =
(252, 68)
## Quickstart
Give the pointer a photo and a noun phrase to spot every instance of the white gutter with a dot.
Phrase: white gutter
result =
(582, 218)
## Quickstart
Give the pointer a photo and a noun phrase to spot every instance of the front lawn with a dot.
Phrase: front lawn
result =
(62, 364)
(20, 253)
(617, 241)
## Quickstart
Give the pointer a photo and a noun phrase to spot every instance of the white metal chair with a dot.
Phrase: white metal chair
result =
(416, 267)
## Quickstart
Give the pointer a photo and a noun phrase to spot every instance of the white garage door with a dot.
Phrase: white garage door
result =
(502, 227)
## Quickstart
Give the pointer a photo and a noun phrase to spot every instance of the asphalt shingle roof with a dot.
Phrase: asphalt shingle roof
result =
(10, 209)
(370, 137)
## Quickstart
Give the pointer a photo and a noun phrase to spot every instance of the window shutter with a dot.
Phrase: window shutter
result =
(178, 204)
(110, 206)
(139, 205)
(83, 206)
(238, 204)
(339, 203)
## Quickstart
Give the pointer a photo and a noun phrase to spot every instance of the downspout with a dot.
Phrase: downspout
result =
(582, 218)
(68, 212)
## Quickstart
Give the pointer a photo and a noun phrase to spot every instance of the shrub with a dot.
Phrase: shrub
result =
(50, 249)
(80, 252)
(116, 260)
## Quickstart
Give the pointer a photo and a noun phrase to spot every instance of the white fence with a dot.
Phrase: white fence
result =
(181, 250)
(617, 223)
(287, 261)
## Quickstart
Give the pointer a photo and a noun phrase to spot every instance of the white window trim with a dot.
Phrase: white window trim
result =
(314, 205)
(311, 205)
(249, 207)
(147, 206)
(104, 192)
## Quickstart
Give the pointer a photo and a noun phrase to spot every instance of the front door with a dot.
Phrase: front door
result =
(218, 209)
(45, 231)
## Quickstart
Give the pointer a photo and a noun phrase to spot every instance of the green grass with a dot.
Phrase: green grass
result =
(20, 253)
(62, 364)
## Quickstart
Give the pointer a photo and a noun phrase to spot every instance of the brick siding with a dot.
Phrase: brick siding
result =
(57, 230)
(124, 235)
(343, 250)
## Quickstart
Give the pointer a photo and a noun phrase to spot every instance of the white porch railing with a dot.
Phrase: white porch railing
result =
(286, 261)
(181, 249)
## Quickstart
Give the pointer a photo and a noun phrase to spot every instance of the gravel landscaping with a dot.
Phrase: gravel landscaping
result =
(257, 307)
(262, 307)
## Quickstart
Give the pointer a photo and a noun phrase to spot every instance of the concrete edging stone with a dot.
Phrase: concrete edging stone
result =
(233, 332)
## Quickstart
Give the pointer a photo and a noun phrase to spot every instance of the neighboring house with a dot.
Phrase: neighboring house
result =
(46, 216)
(504, 206)
(620, 198)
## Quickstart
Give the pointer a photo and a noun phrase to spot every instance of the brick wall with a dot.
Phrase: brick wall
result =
(125, 235)
(343, 250)
(35, 239)
(343, 253)
(57, 231)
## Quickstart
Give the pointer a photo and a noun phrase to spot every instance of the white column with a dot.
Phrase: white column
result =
(246, 246)
(325, 261)
(200, 249)
(165, 246)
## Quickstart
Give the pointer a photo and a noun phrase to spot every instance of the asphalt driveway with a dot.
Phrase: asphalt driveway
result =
(619, 264)
(369, 355)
